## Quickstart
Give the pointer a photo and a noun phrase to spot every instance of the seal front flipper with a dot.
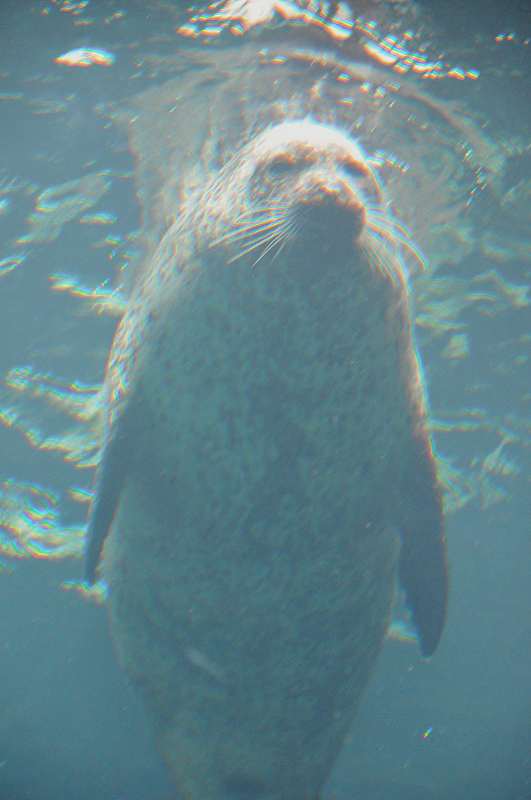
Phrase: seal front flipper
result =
(112, 469)
(423, 572)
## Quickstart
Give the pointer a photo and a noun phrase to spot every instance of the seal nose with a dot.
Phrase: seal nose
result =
(330, 191)
(329, 223)
(337, 211)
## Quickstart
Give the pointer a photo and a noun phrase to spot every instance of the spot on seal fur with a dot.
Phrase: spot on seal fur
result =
(267, 475)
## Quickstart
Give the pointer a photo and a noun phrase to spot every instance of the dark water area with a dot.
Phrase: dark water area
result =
(456, 727)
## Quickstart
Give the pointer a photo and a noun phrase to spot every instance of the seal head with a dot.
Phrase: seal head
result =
(296, 181)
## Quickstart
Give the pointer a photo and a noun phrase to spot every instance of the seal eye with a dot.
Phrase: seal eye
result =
(354, 169)
(281, 167)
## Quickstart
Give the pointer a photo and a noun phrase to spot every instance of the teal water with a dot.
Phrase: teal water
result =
(457, 727)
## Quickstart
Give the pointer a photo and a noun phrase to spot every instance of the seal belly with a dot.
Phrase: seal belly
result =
(252, 563)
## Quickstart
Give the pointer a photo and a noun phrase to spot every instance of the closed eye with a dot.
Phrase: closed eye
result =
(282, 166)
(354, 169)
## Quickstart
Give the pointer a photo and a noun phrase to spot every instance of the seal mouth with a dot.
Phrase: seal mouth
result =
(323, 223)
(327, 223)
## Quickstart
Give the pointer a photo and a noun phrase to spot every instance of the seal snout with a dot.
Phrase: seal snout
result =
(300, 184)
(331, 212)
(322, 175)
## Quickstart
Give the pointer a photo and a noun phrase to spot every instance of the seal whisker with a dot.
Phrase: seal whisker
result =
(267, 226)
(255, 237)
(264, 215)
(386, 228)
(270, 239)
(261, 231)
(282, 235)
(382, 257)
(265, 218)
(382, 218)
(255, 234)
(259, 224)
(376, 212)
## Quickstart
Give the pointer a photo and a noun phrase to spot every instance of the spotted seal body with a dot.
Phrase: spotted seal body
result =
(267, 474)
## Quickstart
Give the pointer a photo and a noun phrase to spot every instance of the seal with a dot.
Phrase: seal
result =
(267, 475)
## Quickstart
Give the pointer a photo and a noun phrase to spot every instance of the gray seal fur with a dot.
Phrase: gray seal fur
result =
(267, 476)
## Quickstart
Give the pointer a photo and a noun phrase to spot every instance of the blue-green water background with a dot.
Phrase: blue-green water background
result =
(70, 726)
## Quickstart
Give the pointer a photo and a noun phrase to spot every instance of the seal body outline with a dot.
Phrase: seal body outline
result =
(268, 468)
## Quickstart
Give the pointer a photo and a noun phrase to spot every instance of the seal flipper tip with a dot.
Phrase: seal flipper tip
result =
(110, 477)
(426, 588)
(102, 509)
(423, 571)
